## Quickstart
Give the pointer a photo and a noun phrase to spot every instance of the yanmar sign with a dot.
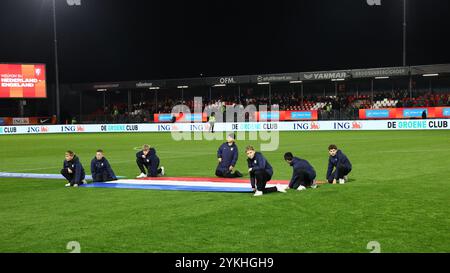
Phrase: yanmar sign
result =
(316, 76)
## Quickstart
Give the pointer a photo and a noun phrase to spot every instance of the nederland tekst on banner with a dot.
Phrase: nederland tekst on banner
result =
(354, 125)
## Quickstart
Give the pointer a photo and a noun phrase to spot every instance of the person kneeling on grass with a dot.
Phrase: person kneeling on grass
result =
(147, 158)
(260, 173)
(73, 170)
(303, 175)
(228, 156)
(101, 169)
(341, 165)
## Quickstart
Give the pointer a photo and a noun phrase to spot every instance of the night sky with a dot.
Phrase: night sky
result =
(119, 40)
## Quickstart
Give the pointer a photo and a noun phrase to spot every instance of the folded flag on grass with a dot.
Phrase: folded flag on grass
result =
(184, 184)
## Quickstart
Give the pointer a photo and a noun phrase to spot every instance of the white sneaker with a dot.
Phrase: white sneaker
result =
(258, 193)
(75, 185)
(341, 181)
(314, 186)
(84, 181)
(67, 185)
(142, 175)
(281, 188)
(162, 170)
(301, 188)
(346, 178)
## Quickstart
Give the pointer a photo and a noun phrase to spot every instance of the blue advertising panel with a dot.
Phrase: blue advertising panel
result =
(377, 113)
(269, 115)
(301, 115)
(165, 117)
(446, 112)
(414, 112)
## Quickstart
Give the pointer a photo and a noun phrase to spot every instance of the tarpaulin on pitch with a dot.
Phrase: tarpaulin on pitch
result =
(182, 184)
(35, 175)
(38, 176)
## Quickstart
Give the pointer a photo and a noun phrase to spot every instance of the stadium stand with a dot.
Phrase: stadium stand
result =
(329, 107)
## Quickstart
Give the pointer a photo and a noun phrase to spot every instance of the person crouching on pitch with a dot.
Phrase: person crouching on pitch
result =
(147, 158)
(260, 173)
(73, 170)
(228, 156)
(101, 169)
(303, 175)
(341, 165)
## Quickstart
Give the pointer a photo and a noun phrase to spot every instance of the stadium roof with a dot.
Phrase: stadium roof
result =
(298, 77)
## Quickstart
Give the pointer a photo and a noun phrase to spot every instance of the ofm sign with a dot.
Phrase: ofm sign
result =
(374, 2)
(228, 80)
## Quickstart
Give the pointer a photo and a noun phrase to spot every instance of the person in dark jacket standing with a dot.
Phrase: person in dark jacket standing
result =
(303, 175)
(101, 169)
(147, 158)
(260, 173)
(424, 114)
(227, 155)
(341, 165)
(73, 170)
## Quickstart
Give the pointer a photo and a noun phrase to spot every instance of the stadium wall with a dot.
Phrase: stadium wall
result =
(360, 125)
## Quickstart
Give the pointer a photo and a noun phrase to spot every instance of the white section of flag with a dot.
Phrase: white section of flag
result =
(183, 183)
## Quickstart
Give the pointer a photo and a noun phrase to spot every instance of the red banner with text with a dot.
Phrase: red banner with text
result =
(22, 81)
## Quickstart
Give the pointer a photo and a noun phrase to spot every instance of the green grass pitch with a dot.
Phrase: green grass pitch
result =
(398, 195)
